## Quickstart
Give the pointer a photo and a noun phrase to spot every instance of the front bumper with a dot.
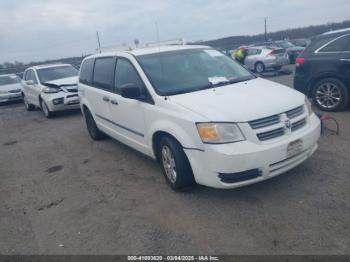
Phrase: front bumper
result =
(10, 97)
(62, 101)
(269, 159)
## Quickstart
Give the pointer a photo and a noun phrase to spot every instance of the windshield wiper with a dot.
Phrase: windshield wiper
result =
(233, 81)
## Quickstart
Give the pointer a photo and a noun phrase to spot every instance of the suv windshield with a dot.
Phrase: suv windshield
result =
(285, 44)
(190, 70)
(9, 80)
(53, 73)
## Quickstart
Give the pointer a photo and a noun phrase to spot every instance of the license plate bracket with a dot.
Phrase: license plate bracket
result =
(294, 148)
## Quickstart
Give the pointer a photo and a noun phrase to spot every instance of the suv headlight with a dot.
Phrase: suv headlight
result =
(51, 90)
(219, 133)
(308, 106)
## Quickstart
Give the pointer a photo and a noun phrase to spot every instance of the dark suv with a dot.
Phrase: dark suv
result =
(323, 70)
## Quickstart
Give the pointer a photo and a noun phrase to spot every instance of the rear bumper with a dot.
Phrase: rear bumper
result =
(243, 163)
(10, 97)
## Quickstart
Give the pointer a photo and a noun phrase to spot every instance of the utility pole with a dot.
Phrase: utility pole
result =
(98, 41)
(265, 31)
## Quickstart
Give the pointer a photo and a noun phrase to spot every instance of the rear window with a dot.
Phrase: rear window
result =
(339, 45)
(104, 73)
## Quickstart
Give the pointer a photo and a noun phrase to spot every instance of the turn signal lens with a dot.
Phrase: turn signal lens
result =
(219, 133)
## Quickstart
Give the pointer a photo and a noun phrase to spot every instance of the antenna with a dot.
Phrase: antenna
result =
(265, 31)
(98, 41)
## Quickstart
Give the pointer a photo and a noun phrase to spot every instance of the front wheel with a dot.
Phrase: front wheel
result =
(28, 106)
(330, 94)
(46, 109)
(93, 130)
(175, 165)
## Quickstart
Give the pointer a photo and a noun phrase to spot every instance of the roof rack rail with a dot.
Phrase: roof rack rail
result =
(114, 48)
(179, 41)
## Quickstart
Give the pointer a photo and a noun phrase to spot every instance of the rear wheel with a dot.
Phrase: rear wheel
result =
(28, 106)
(259, 67)
(175, 165)
(330, 94)
(93, 130)
(46, 109)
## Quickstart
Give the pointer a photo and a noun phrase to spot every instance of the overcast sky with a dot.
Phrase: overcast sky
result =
(34, 30)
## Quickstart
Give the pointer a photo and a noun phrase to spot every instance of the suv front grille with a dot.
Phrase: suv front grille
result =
(278, 124)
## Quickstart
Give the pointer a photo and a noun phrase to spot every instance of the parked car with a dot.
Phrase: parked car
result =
(292, 50)
(10, 88)
(202, 115)
(323, 70)
(302, 42)
(51, 88)
(263, 58)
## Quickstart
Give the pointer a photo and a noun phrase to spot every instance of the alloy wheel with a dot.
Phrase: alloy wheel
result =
(169, 164)
(328, 95)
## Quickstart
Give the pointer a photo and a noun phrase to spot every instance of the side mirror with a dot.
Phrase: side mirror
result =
(29, 82)
(131, 91)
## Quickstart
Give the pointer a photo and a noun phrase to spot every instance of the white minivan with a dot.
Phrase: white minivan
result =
(204, 117)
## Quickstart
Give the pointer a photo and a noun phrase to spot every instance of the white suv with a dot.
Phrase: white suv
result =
(203, 116)
(51, 88)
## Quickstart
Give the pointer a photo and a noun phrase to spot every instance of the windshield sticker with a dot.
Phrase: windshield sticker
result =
(217, 79)
(212, 52)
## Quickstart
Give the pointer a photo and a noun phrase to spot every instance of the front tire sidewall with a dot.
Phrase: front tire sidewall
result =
(92, 128)
(344, 98)
(184, 178)
(45, 109)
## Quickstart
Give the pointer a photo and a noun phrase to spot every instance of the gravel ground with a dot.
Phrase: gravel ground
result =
(62, 193)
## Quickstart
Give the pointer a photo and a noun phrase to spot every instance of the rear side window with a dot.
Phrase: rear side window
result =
(340, 45)
(126, 74)
(104, 73)
(86, 70)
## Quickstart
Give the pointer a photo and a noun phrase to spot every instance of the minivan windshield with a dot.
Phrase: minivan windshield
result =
(9, 80)
(190, 70)
(54, 73)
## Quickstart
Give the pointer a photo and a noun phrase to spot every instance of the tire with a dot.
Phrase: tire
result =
(259, 67)
(45, 109)
(330, 94)
(92, 128)
(175, 165)
(28, 106)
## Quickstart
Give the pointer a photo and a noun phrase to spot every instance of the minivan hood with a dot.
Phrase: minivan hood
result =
(11, 87)
(241, 102)
(64, 81)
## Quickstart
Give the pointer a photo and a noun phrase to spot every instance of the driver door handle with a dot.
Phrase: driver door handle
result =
(106, 99)
(113, 102)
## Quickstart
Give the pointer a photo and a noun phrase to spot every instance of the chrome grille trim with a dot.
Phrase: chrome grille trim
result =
(299, 124)
(295, 112)
(271, 134)
(263, 122)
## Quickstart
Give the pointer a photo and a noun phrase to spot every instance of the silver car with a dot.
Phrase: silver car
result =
(10, 88)
(261, 58)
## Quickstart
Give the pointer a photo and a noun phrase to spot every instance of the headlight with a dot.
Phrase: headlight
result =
(308, 106)
(51, 90)
(219, 133)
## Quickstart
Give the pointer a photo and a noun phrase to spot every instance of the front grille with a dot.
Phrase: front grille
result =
(240, 176)
(263, 122)
(295, 112)
(299, 124)
(72, 96)
(276, 124)
(271, 134)
(15, 91)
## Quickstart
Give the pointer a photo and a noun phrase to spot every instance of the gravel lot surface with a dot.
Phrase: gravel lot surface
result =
(62, 193)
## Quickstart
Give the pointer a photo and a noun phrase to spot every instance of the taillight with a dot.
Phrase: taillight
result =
(299, 61)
